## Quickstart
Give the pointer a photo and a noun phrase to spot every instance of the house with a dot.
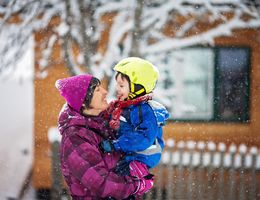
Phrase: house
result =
(225, 106)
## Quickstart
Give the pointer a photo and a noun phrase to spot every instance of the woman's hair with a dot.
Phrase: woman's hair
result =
(92, 85)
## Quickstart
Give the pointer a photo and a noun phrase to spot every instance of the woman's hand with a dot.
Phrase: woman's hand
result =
(144, 185)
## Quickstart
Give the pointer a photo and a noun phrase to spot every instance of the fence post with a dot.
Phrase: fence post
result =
(159, 182)
(54, 139)
(232, 182)
(253, 191)
(191, 146)
(180, 177)
(212, 148)
(242, 151)
(201, 170)
(221, 189)
(170, 184)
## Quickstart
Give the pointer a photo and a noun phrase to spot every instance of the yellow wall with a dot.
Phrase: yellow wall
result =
(48, 103)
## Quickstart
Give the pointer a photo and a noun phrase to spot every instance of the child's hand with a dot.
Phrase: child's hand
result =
(106, 146)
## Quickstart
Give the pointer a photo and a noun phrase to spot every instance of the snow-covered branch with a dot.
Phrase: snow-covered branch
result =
(206, 37)
(162, 26)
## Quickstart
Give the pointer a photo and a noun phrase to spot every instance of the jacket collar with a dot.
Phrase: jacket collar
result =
(69, 117)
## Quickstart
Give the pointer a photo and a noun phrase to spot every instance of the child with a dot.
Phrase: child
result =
(139, 119)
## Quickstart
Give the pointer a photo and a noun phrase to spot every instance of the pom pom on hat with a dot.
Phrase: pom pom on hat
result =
(74, 89)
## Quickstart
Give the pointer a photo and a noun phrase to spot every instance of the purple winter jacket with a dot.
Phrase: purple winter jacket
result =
(87, 171)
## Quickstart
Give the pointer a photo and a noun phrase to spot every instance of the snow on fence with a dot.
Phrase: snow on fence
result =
(191, 170)
(198, 170)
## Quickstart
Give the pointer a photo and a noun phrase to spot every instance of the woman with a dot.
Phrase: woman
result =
(88, 171)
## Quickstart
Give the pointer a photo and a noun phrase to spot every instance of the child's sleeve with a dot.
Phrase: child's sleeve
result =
(143, 134)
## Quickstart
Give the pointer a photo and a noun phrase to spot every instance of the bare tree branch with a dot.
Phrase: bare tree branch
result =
(136, 30)
(85, 46)
(66, 40)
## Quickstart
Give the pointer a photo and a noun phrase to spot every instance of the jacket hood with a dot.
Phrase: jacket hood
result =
(69, 117)
(160, 112)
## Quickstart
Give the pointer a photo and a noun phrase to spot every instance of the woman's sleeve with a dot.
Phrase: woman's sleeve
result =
(143, 135)
(85, 162)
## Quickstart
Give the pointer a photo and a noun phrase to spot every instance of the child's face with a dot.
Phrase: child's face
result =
(122, 88)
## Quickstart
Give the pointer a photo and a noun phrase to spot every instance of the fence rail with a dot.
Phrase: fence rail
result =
(190, 170)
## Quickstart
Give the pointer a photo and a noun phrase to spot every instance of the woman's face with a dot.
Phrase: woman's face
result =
(99, 101)
(122, 88)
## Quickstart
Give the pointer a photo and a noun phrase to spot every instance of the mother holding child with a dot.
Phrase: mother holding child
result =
(92, 165)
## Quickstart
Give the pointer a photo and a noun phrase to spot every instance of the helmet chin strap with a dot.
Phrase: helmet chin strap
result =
(136, 91)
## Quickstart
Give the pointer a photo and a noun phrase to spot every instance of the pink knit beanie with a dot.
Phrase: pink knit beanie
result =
(74, 89)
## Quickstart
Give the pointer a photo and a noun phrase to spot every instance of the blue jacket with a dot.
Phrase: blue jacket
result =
(140, 134)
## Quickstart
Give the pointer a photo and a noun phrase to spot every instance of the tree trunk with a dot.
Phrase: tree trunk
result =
(137, 32)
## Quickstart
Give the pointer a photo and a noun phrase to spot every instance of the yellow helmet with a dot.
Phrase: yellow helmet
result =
(139, 71)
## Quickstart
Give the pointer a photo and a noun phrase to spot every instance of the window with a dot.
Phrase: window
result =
(210, 84)
(232, 92)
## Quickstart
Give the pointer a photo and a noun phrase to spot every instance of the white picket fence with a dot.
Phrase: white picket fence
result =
(199, 170)
(191, 170)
